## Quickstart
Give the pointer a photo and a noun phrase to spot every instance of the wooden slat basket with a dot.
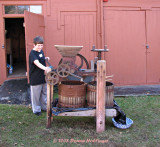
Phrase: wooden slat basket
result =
(71, 94)
(91, 94)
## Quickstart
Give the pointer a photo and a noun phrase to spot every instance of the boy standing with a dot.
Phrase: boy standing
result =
(37, 71)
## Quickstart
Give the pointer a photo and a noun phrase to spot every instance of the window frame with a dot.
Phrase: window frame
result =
(21, 15)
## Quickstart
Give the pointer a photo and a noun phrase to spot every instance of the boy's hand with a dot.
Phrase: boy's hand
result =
(48, 69)
(47, 58)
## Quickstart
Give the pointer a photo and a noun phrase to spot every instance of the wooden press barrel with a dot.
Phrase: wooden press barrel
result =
(91, 94)
(71, 94)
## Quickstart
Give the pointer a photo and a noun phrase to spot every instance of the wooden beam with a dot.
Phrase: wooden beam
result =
(108, 113)
(100, 101)
(99, 24)
(51, 98)
(49, 113)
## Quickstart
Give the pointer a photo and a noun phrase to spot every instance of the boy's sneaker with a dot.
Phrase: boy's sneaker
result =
(37, 113)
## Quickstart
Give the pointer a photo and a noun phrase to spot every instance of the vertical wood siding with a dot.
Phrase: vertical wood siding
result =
(153, 41)
(80, 29)
(125, 37)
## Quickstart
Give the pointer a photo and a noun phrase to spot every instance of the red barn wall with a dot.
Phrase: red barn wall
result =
(132, 31)
(71, 22)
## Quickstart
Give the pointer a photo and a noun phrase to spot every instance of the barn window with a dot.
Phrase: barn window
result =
(36, 9)
(10, 10)
(22, 8)
(19, 9)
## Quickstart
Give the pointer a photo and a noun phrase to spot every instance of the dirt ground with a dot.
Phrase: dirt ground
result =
(15, 92)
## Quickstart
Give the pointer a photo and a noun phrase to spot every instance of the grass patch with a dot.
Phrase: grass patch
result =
(20, 127)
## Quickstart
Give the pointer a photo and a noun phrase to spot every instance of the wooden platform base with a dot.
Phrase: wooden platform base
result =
(109, 113)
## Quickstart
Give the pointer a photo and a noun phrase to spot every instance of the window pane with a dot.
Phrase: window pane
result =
(22, 8)
(36, 9)
(10, 9)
